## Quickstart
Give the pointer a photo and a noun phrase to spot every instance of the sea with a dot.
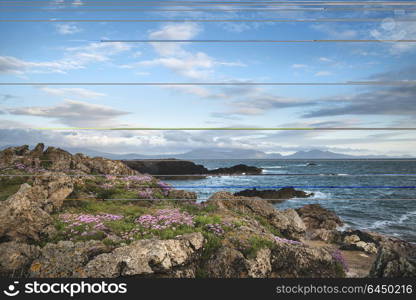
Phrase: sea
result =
(372, 194)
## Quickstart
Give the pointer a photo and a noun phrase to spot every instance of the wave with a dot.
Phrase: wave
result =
(398, 221)
(271, 167)
(318, 195)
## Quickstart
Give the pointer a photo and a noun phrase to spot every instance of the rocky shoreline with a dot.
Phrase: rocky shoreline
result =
(55, 223)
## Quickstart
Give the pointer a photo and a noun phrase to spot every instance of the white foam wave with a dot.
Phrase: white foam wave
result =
(318, 195)
(385, 223)
(271, 167)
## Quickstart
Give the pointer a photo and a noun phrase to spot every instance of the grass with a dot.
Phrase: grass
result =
(203, 220)
(256, 243)
(266, 224)
(196, 209)
(130, 212)
(124, 208)
(10, 185)
(211, 246)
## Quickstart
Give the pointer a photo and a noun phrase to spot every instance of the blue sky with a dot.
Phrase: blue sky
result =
(72, 52)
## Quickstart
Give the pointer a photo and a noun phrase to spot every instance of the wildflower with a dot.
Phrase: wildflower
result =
(138, 178)
(215, 228)
(283, 240)
(165, 218)
(337, 255)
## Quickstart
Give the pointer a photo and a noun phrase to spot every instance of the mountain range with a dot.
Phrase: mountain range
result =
(224, 153)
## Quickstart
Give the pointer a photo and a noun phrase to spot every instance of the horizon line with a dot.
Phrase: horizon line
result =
(228, 128)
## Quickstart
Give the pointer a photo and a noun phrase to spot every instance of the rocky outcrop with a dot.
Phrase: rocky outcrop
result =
(237, 169)
(316, 217)
(286, 221)
(321, 223)
(65, 259)
(150, 258)
(25, 216)
(156, 258)
(395, 258)
(15, 258)
(168, 167)
(283, 260)
(353, 242)
(231, 263)
(56, 159)
(184, 169)
(303, 261)
(274, 196)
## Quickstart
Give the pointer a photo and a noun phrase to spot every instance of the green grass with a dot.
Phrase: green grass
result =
(266, 224)
(10, 185)
(195, 210)
(125, 208)
(255, 244)
(211, 246)
(203, 220)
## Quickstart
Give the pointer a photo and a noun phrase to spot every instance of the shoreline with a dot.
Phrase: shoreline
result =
(44, 221)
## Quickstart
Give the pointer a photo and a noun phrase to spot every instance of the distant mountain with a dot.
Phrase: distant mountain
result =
(227, 153)
(223, 153)
(318, 154)
(201, 153)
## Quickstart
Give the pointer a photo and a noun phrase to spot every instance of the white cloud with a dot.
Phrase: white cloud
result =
(73, 113)
(72, 92)
(173, 56)
(325, 59)
(299, 66)
(74, 58)
(323, 73)
(390, 29)
(185, 31)
(67, 29)
(336, 32)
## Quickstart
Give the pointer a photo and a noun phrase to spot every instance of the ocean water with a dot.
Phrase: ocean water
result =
(366, 194)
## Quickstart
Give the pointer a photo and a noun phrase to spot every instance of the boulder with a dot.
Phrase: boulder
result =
(316, 217)
(326, 235)
(297, 261)
(65, 259)
(156, 258)
(274, 196)
(15, 258)
(231, 263)
(26, 214)
(287, 222)
(284, 260)
(395, 259)
(237, 169)
(366, 241)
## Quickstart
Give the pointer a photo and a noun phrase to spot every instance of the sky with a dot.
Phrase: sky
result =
(59, 52)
